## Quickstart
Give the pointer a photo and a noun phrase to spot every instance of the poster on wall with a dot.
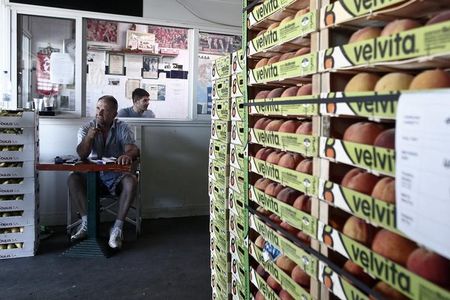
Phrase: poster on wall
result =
(131, 85)
(204, 86)
(141, 41)
(218, 43)
(167, 37)
(150, 65)
(157, 91)
(101, 31)
(45, 86)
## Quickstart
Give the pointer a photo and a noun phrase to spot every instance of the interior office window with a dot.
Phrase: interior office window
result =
(211, 46)
(124, 56)
(46, 64)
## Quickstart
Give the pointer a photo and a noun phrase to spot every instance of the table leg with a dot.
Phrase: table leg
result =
(91, 246)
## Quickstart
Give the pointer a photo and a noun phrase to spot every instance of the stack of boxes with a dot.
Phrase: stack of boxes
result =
(219, 159)
(318, 228)
(19, 201)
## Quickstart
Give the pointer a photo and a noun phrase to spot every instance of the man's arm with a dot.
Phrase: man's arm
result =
(131, 153)
(84, 148)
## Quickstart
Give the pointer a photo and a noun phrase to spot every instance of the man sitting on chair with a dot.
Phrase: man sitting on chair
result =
(105, 137)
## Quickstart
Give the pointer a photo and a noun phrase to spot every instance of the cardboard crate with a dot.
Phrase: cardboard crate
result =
(221, 67)
(18, 136)
(239, 250)
(27, 152)
(262, 286)
(220, 130)
(238, 109)
(239, 135)
(27, 217)
(29, 248)
(237, 180)
(238, 157)
(17, 169)
(218, 150)
(221, 88)
(307, 145)
(219, 196)
(237, 204)
(26, 202)
(218, 171)
(238, 87)
(239, 290)
(27, 185)
(220, 110)
(28, 233)
(302, 182)
(238, 61)
(220, 220)
(14, 119)
(272, 107)
(272, 11)
(238, 226)
(377, 160)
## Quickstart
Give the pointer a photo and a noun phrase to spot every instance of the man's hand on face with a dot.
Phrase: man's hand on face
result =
(124, 160)
(92, 132)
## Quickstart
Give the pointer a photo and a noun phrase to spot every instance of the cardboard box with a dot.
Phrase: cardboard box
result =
(26, 152)
(338, 285)
(272, 108)
(305, 183)
(402, 48)
(395, 275)
(238, 226)
(296, 218)
(238, 61)
(239, 290)
(238, 109)
(307, 145)
(25, 186)
(219, 196)
(218, 150)
(28, 248)
(15, 119)
(237, 180)
(219, 218)
(271, 10)
(17, 136)
(220, 110)
(17, 169)
(25, 217)
(239, 250)
(220, 130)
(221, 67)
(371, 105)
(262, 286)
(237, 204)
(377, 160)
(238, 156)
(286, 282)
(28, 233)
(238, 87)
(306, 261)
(218, 172)
(284, 37)
(293, 69)
(18, 202)
(221, 88)
(239, 133)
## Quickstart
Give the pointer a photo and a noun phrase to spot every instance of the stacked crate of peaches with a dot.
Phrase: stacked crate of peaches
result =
(370, 55)
(19, 199)
(282, 42)
(218, 171)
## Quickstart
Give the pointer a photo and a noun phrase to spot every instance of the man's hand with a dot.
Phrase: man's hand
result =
(92, 132)
(124, 160)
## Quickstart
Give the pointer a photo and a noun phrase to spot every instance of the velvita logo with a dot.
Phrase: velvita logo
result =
(268, 202)
(269, 171)
(266, 73)
(266, 8)
(268, 138)
(268, 108)
(383, 107)
(359, 7)
(373, 157)
(267, 39)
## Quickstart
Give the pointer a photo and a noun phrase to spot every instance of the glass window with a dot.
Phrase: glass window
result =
(211, 46)
(46, 64)
(124, 56)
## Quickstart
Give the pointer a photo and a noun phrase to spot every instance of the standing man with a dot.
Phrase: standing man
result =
(105, 137)
(139, 109)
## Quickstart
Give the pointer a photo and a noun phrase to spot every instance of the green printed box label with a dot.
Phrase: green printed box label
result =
(238, 157)
(238, 110)
(218, 150)
(238, 85)
(304, 144)
(221, 67)
(422, 41)
(266, 9)
(299, 27)
(238, 61)
(219, 131)
(295, 67)
(220, 110)
(262, 286)
(238, 133)
(337, 285)
(383, 106)
(221, 88)
(271, 108)
(237, 180)
(381, 160)
(305, 183)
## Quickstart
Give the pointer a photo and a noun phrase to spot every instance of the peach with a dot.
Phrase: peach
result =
(305, 166)
(385, 190)
(303, 203)
(273, 26)
(284, 295)
(274, 125)
(288, 195)
(360, 181)
(261, 32)
(440, 17)
(362, 82)
(273, 59)
(290, 92)
(259, 296)
(275, 218)
(393, 246)
(305, 90)
(395, 81)
(398, 26)
(287, 19)
(273, 189)
(274, 285)
(388, 292)
(306, 239)
(261, 63)
(358, 230)
(431, 79)
(288, 160)
(274, 157)
(275, 93)
(386, 139)
(300, 276)
(305, 128)
(263, 211)
(285, 264)
(298, 157)
(365, 33)
(363, 132)
(262, 123)
(289, 126)
(302, 51)
(260, 270)
(287, 56)
(337, 218)
(263, 153)
(302, 12)
(260, 242)
(289, 228)
(430, 266)
(262, 94)
(357, 271)
(262, 183)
